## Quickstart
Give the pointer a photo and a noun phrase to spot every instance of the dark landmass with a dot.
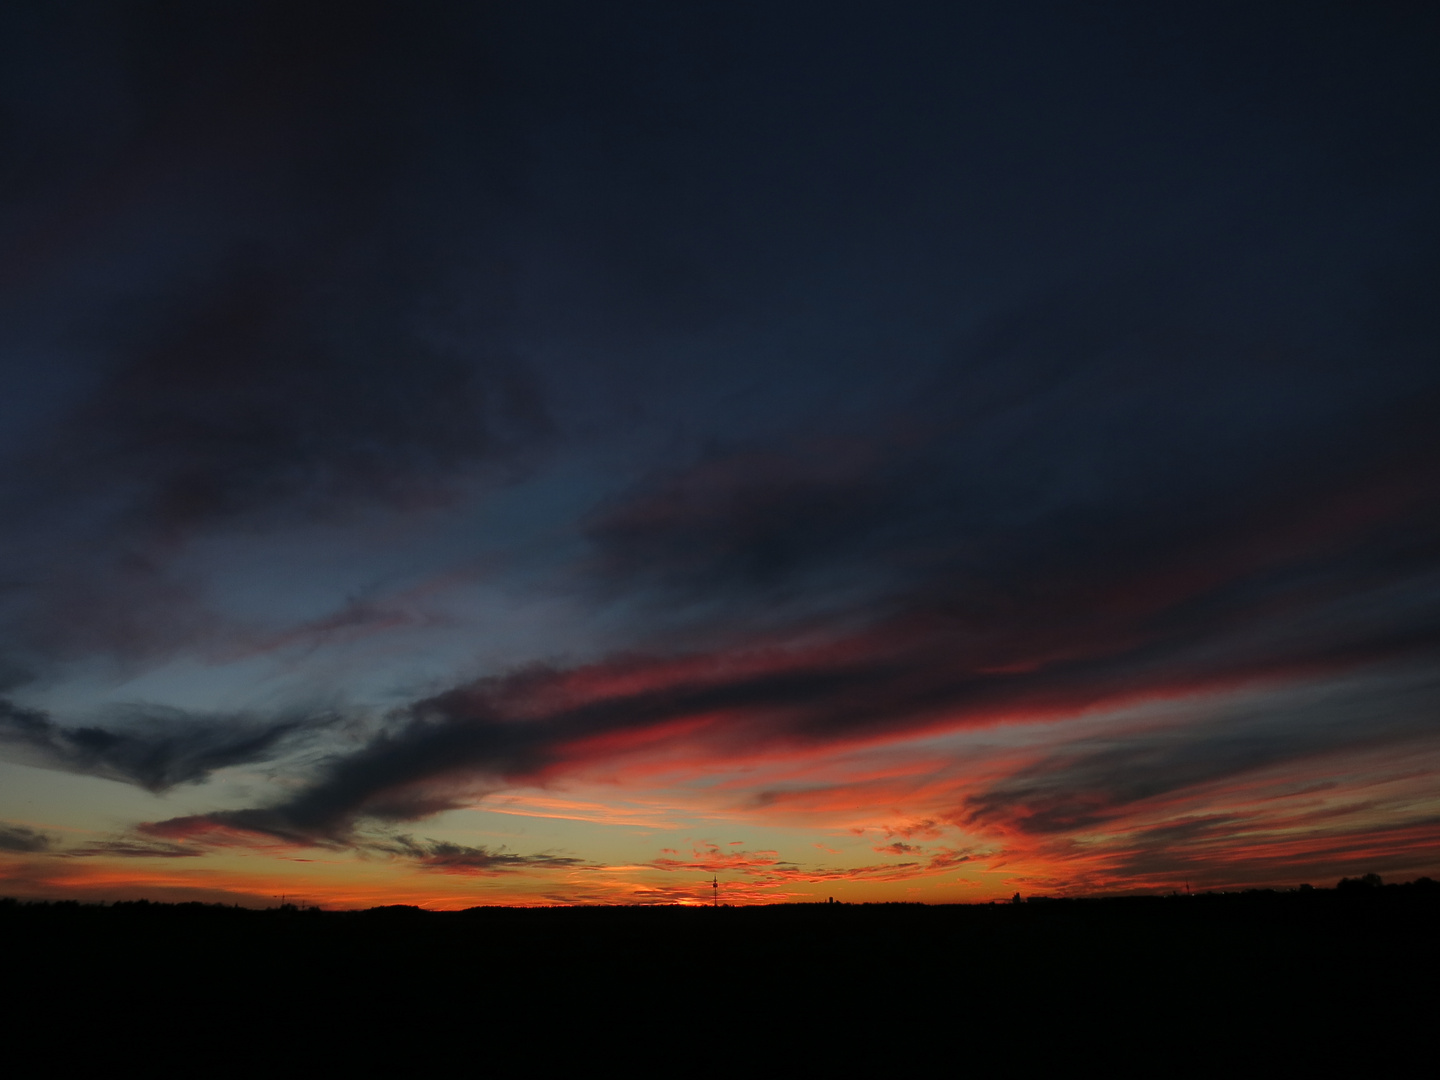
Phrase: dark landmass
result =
(1305, 973)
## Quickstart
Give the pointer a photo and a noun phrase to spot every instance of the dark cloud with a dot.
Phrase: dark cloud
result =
(281, 304)
(1094, 502)
(240, 414)
(927, 829)
(947, 858)
(23, 840)
(1117, 433)
(298, 294)
(260, 398)
(898, 848)
(1223, 848)
(937, 369)
(450, 749)
(756, 520)
(450, 858)
(153, 748)
(1089, 783)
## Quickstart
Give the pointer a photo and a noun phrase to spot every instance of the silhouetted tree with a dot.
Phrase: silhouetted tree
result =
(1369, 881)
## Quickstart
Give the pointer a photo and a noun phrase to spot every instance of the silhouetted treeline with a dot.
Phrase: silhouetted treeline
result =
(1370, 888)
(1307, 970)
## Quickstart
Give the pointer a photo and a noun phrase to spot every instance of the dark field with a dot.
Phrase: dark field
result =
(1263, 978)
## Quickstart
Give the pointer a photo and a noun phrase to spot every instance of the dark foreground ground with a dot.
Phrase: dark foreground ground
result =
(1258, 980)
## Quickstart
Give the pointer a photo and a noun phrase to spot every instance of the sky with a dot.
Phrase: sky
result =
(558, 453)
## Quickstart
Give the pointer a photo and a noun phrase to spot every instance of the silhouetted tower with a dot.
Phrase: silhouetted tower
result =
(715, 886)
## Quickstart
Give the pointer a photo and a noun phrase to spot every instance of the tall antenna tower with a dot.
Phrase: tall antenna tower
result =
(715, 887)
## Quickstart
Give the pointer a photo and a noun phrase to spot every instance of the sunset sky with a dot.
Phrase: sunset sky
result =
(573, 453)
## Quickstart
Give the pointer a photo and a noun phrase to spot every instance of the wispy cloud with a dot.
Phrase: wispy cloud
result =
(450, 858)
(155, 748)
(135, 848)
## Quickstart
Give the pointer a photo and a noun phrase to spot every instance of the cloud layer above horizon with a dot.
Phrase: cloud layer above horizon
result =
(548, 454)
